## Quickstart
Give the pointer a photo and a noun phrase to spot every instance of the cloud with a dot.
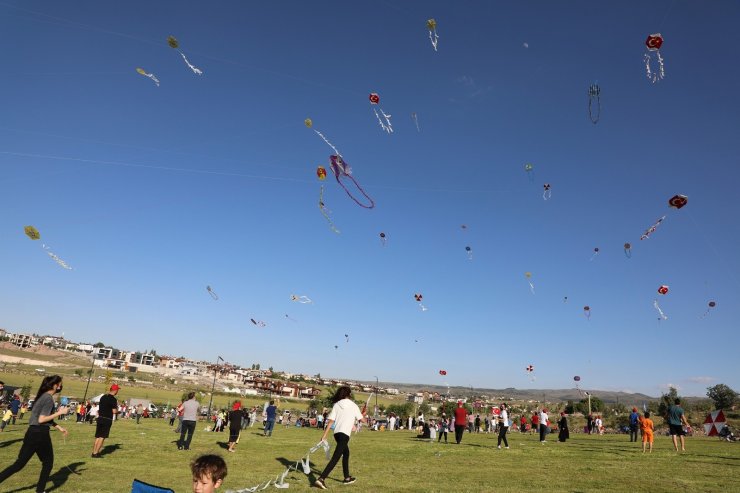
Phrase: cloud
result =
(701, 379)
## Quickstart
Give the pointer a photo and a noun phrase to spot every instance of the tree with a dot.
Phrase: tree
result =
(108, 377)
(666, 401)
(722, 395)
(25, 391)
(424, 408)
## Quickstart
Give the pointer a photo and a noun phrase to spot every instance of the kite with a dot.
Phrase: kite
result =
(653, 43)
(302, 464)
(443, 372)
(469, 251)
(433, 36)
(663, 289)
(547, 194)
(528, 275)
(530, 373)
(309, 124)
(151, 76)
(596, 252)
(587, 312)
(710, 305)
(32, 232)
(565, 299)
(175, 45)
(577, 380)
(212, 292)
(660, 312)
(628, 250)
(529, 168)
(594, 103)
(416, 121)
(300, 299)
(321, 173)
(678, 201)
(374, 101)
(341, 169)
(289, 318)
(652, 229)
(714, 423)
(382, 238)
(336, 347)
(526, 45)
(346, 337)
(325, 212)
(418, 297)
(258, 323)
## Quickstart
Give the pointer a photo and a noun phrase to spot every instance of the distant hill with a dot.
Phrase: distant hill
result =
(550, 395)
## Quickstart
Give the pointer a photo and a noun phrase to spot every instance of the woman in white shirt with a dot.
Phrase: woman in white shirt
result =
(543, 425)
(503, 425)
(342, 419)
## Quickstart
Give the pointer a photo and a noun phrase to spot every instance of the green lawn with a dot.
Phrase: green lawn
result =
(382, 461)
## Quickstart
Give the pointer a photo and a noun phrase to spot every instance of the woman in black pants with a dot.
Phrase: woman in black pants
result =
(37, 439)
(503, 425)
(343, 416)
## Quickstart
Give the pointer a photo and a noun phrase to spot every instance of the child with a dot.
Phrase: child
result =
(646, 426)
(209, 472)
(6, 418)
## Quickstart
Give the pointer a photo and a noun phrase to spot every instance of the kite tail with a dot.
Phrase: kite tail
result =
(195, 69)
(434, 38)
(387, 126)
(372, 203)
(598, 107)
(324, 212)
(329, 143)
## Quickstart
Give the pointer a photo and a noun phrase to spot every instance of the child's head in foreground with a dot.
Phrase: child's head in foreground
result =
(209, 472)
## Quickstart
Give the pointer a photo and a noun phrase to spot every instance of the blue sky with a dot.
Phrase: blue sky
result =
(153, 193)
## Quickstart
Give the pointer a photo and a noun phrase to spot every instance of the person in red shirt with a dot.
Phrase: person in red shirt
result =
(461, 421)
(523, 424)
(535, 422)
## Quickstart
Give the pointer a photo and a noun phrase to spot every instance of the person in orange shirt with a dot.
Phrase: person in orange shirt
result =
(646, 426)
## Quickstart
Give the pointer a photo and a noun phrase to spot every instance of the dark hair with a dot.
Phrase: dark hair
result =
(191, 395)
(47, 384)
(647, 414)
(272, 402)
(342, 393)
(210, 466)
(677, 401)
(503, 406)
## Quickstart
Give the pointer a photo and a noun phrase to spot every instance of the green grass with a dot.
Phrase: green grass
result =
(382, 461)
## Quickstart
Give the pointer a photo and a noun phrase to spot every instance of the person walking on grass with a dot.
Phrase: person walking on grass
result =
(343, 416)
(189, 419)
(646, 426)
(270, 416)
(461, 420)
(235, 425)
(634, 424)
(443, 427)
(37, 440)
(107, 408)
(503, 425)
(676, 422)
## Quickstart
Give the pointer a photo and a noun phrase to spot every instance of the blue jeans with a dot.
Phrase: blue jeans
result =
(269, 425)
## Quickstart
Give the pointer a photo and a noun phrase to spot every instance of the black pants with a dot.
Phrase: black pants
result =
(341, 450)
(188, 427)
(459, 430)
(37, 441)
(502, 435)
(543, 432)
(633, 433)
(442, 432)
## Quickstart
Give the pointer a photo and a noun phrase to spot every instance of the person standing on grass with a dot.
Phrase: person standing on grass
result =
(646, 426)
(461, 420)
(180, 411)
(235, 424)
(189, 419)
(15, 406)
(343, 416)
(37, 440)
(443, 427)
(139, 412)
(634, 424)
(106, 409)
(676, 422)
(503, 425)
(590, 423)
(173, 416)
(543, 424)
(535, 422)
(270, 415)
(563, 433)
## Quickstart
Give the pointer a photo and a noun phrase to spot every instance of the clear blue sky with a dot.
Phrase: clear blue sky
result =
(153, 193)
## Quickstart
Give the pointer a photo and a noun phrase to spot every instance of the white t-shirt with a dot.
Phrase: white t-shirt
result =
(345, 413)
(505, 417)
(543, 418)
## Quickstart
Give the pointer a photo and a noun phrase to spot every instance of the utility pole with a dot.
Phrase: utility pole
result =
(375, 414)
(89, 376)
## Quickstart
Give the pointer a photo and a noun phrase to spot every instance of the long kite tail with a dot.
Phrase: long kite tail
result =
(372, 203)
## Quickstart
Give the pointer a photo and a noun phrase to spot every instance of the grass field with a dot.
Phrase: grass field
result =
(382, 461)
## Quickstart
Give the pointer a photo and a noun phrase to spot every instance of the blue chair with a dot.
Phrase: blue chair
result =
(142, 487)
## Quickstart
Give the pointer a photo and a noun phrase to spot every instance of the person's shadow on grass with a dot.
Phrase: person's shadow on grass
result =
(58, 478)
(223, 445)
(10, 442)
(109, 449)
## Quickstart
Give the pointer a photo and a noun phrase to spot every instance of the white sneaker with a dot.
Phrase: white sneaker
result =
(500, 446)
(507, 448)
